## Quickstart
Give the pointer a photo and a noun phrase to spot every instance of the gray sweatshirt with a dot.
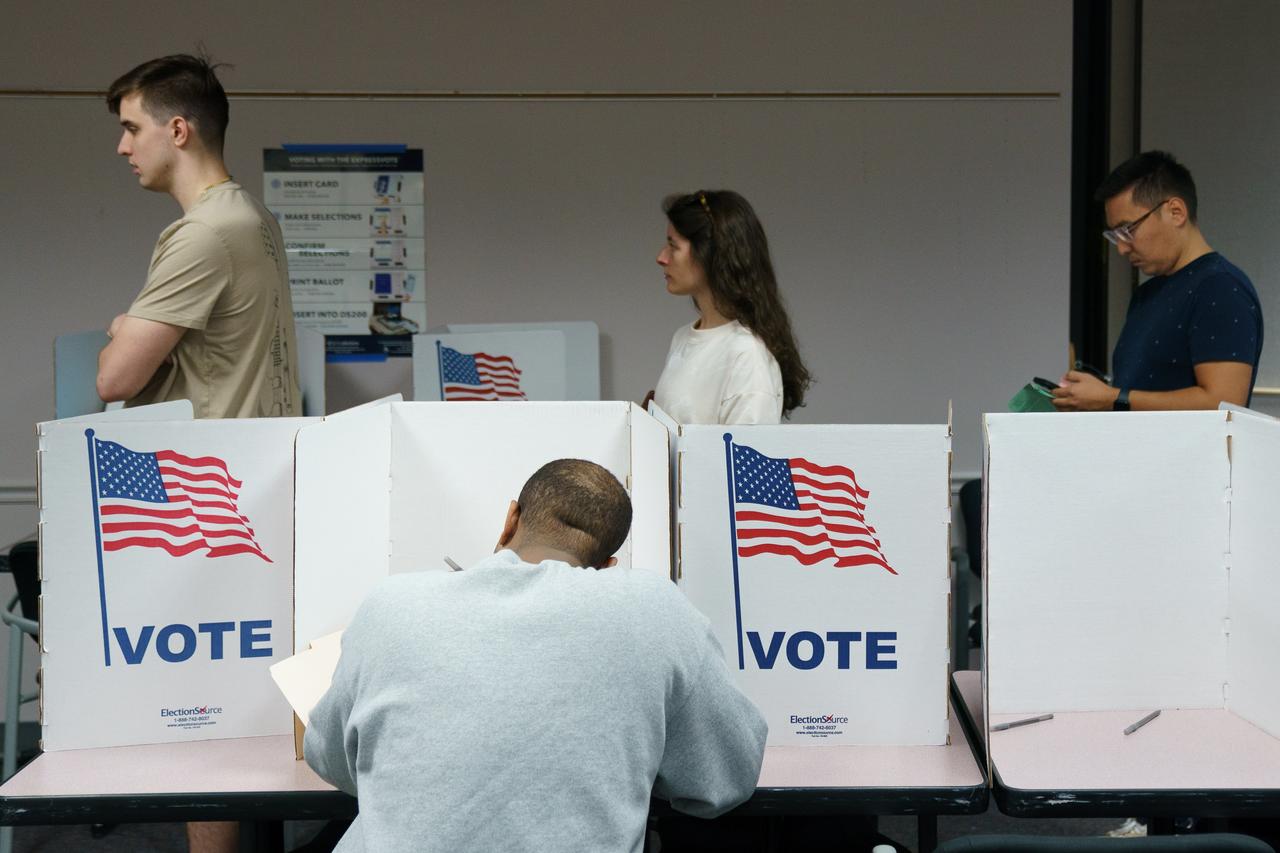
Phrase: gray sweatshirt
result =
(530, 707)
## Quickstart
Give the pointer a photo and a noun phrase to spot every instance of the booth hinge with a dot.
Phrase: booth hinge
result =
(40, 550)
(39, 482)
(679, 551)
(680, 479)
(1226, 691)
(628, 483)
(1226, 626)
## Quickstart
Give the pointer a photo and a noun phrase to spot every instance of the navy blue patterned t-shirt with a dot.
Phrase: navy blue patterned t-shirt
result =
(1206, 311)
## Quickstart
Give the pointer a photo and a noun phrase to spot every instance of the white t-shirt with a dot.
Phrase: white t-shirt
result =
(724, 375)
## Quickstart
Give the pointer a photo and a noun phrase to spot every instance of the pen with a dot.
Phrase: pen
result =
(1148, 718)
(452, 565)
(1093, 371)
(999, 727)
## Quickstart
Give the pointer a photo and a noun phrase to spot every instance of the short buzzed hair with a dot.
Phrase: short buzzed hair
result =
(1153, 176)
(576, 506)
(178, 85)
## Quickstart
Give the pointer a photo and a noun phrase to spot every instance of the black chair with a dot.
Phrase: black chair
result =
(971, 519)
(22, 616)
(1209, 843)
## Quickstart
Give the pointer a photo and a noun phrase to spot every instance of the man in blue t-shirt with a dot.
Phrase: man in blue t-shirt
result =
(1193, 334)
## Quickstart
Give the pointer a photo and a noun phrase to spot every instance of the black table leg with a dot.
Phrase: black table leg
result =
(262, 836)
(926, 832)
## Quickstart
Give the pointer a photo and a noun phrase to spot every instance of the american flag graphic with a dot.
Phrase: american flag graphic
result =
(180, 504)
(796, 508)
(478, 377)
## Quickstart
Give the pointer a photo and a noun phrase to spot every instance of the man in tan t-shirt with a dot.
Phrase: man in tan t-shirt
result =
(214, 322)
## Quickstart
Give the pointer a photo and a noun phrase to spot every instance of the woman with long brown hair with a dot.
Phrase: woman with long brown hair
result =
(738, 362)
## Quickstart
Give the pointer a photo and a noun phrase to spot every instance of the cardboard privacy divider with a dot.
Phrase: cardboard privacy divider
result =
(75, 373)
(582, 350)
(509, 365)
(166, 562)
(311, 372)
(821, 556)
(1130, 567)
(397, 487)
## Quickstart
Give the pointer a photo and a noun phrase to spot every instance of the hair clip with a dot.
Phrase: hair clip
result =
(702, 197)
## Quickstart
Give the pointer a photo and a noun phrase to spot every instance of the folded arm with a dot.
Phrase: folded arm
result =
(137, 349)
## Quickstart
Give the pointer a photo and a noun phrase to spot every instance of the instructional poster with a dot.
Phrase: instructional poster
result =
(352, 219)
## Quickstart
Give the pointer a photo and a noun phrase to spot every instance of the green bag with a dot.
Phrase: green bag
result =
(1032, 398)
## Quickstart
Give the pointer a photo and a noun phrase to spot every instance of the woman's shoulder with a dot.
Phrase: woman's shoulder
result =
(745, 343)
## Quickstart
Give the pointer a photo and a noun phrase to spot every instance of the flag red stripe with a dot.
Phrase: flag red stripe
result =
(801, 480)
(196, 490)
(195, 476)
(171, 513)
(171, 529)
(831, 499)
(842, 561)
(181, 498)
(147, 542)
(807, 538)
(822, 470)
(495, 359)
(197, 462)
(228, 550)
(792, 521)
(856, 516)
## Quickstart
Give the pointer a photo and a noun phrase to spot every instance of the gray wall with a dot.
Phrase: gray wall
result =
(919, 220)
(1209, 95)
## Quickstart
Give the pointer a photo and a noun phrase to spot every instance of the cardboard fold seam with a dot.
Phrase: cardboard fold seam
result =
(679, 550)
(40, 550)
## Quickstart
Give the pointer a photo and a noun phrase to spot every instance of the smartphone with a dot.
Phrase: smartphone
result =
(1045, 384)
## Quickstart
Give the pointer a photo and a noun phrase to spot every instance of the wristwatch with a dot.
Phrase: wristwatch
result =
(1121, 403)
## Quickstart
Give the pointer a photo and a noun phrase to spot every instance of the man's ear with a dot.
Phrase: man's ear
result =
(1177, 211)
(610, 563)
(509, 526)
(180, 131)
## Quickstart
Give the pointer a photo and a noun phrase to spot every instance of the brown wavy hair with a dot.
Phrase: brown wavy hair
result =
(728, 241)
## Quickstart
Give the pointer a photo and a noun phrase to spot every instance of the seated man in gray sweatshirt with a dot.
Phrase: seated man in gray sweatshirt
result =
(531, 702)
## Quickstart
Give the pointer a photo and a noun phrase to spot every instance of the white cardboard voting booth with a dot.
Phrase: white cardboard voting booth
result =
(1129, 567)
(582, 350)
(397, 487)
(499, 366)
(75, 373)
(821, 556)
(167, 575)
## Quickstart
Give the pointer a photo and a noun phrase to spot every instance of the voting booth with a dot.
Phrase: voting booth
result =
(397, 487)
(489, 366)
(581, 351)
(1129, 569)
(821, 555)
(167, 576)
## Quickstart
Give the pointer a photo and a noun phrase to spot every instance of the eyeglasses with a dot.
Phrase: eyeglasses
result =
(1124, 233)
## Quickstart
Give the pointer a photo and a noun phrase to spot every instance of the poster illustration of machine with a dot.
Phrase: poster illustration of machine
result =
(352, 219)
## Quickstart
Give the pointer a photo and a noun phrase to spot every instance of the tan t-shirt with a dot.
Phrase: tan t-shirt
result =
(220, 273)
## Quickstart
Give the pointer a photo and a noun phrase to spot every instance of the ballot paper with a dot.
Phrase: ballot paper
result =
(305, 677)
